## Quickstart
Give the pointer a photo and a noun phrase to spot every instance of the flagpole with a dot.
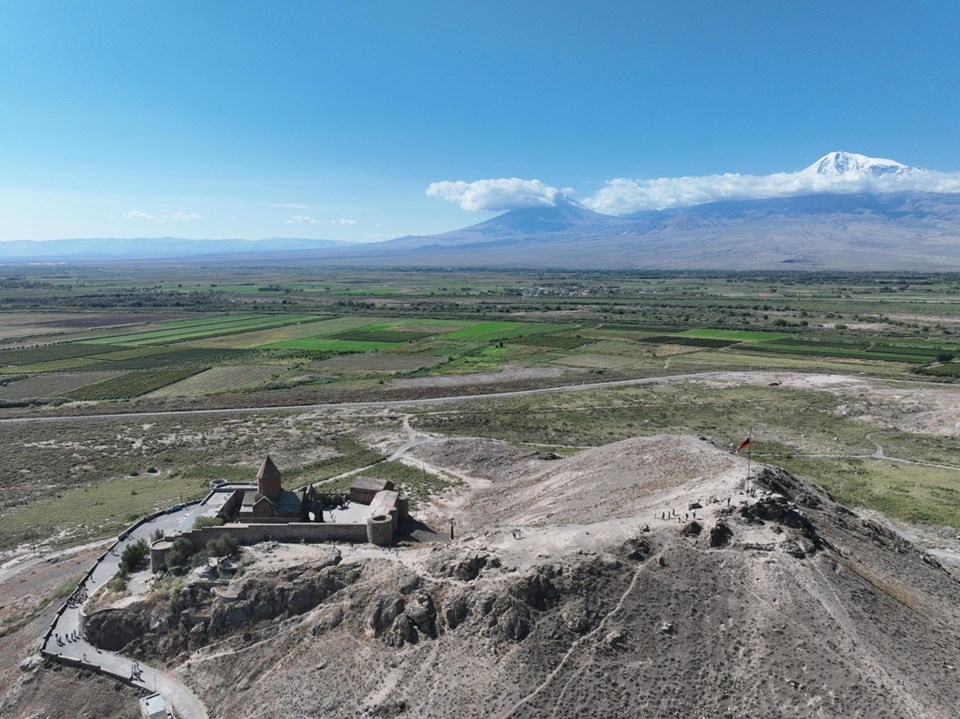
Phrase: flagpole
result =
(749, 455)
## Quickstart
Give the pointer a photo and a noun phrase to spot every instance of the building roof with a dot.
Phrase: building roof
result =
(289, 502)
(268, 470)
(371, 484)
(384, 502)
(153, 707)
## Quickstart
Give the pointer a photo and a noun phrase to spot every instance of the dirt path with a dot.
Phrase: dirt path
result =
(807, 381)
(382, 403)
(879, 454)
(23, 562)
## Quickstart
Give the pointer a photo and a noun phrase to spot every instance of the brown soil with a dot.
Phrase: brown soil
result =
(47, 690)
(568, 594)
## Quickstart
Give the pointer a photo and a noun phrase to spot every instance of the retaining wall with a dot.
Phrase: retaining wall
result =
(95, 668)
(287, 532)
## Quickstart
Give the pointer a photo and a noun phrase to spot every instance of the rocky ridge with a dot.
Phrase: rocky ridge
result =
(783, 603)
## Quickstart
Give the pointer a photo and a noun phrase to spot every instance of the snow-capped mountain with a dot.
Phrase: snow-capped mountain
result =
(851, 166)
(844, 212)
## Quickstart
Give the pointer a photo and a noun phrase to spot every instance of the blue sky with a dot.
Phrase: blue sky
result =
(331, 119)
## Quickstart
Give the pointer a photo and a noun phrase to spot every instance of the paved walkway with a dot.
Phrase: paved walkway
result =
(186, 704)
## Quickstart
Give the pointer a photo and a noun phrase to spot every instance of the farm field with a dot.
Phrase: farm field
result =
(51, 385)
(178, 331)
(328, 344)
(298, 337)
(222, 379)
(602, 361)
(381, 362)
(192, 341)
(133, 384)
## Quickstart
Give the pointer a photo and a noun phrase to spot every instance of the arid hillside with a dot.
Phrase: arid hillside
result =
(576, 587)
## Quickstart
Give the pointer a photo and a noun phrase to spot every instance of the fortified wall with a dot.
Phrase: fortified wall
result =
(387, 508)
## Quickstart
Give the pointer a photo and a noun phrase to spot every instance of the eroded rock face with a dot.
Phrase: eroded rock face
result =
(381, 613)
(538, 589)
(467, 568)
(189, 617)
(783, 512)
(113, 629)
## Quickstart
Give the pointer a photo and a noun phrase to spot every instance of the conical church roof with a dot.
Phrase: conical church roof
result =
(268, 470)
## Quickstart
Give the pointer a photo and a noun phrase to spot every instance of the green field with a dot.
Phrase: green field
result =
(733, 335)
(326, 344)
(503, 330)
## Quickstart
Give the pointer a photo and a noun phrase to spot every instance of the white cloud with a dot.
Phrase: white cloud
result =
(624, 195)
(345, 221)
(176, 216)
(138, 215)
(508, 193)
(302, 220)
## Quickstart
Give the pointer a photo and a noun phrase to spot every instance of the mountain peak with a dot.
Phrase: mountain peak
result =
(850, 165)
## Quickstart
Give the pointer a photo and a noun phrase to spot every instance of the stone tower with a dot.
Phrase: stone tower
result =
(268, 479)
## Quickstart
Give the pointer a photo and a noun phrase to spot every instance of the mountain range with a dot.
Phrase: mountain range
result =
(865, 218)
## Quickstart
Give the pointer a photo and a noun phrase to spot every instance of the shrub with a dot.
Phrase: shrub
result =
(202, 522)
(119, 582)
(133, 555)
(222, 547)
(179, 553)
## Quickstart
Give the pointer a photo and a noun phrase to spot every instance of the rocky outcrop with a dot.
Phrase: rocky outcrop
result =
(719, 534)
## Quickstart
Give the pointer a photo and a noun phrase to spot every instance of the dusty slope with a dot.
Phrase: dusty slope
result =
(785, 605)
(28, 688)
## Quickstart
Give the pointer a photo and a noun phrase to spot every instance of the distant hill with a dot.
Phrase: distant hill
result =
(847, 212)
(151, 248)
(861, 231)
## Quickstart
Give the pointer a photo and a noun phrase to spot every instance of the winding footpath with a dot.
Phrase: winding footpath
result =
(879, 454)
(184, 702)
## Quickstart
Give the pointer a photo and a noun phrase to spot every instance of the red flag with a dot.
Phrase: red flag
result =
(745, 444)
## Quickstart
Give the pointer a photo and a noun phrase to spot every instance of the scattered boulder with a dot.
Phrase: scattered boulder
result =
(454, 611)
(380, 613)
(466, 569)
(614, 638)
(577, 617)
(407, 581)
(784, 512)
(31, 663)
(799, 547)
(691, 529)
(328, 618)
(422, 613)
(537, 589)
(514, 624)
(638, 549)
(720, 534)
(403, 631)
